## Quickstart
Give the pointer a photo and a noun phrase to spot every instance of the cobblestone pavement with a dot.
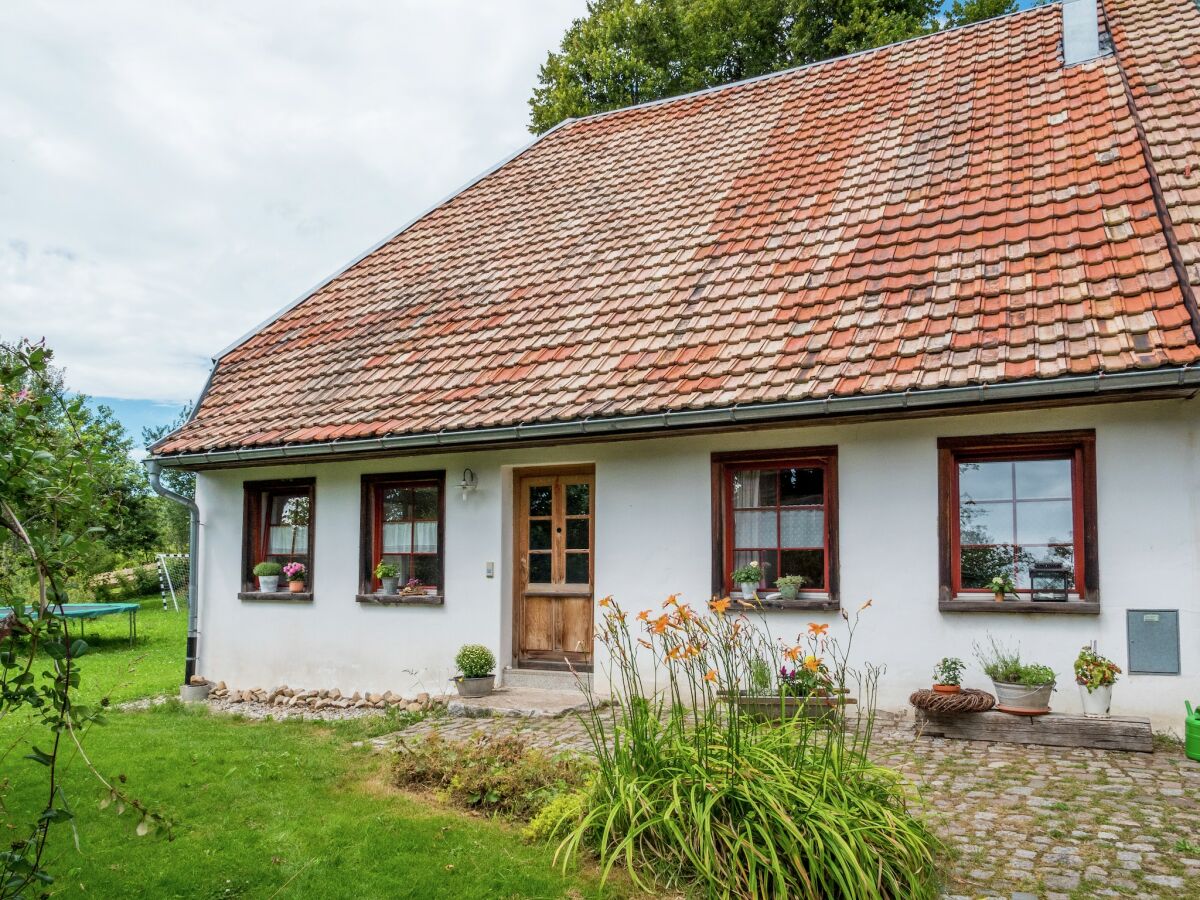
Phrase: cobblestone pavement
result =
(1026, 821)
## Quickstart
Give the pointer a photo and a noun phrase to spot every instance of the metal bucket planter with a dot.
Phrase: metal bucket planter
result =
(268, 584)
(1096, 702)
(390, 585)
(194, 693)
(475, 687)
(1023, 699)
(772, 708)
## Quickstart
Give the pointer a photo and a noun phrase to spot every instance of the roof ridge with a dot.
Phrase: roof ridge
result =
(765, 76)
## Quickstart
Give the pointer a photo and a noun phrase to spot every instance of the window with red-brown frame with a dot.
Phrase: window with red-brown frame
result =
(777, 508)
(278, 525)
(1009, 502)
(404, 525)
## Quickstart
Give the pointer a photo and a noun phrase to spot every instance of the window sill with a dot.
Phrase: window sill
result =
(813, 601)
(972, 605)
(276, 596)
(401, 599)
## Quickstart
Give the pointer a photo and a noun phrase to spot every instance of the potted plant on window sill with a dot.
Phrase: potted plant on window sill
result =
(295, 573)
(1022, 689)
(947, 675)
(1000, 586)
(413, 588)
(267, 574)
(789, 586)
(1095, 675)
(477, 665)
(389, 578)
(747, 578)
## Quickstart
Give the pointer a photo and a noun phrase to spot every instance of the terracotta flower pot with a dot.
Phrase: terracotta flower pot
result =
(999, 596)
(946, 688)
(296, 587)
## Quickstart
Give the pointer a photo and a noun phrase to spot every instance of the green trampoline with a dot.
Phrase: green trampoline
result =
(85, 611)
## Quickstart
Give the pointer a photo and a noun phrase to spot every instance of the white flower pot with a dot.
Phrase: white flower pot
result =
(748, 589)
(1096, 702)
(268, 584)
(1022, 699)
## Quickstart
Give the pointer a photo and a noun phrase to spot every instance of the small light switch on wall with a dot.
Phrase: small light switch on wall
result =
(491, 570)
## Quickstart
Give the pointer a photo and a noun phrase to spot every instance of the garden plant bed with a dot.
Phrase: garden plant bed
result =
(1052, 730)
(774, 708)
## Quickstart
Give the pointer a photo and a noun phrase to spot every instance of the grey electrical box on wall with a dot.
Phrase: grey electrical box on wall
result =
(1153, 641)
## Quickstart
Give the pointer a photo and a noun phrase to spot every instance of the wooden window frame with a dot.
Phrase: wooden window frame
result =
(254, 533)
(370, 536)
(1080, 447)
(723, 465)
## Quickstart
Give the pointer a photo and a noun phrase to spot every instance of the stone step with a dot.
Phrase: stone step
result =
(520, 701)
(543, 679)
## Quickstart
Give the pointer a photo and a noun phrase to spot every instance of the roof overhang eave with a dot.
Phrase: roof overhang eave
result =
(1076, 387)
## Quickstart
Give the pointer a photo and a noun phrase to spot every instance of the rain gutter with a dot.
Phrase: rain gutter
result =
(154, 473)
(1075, 386)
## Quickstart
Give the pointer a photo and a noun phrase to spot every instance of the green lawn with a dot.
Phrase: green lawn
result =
(264, 809)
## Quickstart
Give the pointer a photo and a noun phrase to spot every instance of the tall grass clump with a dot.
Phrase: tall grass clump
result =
(691, 793)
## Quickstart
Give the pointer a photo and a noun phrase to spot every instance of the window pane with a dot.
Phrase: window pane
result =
(425, 570)
(577, 568)
(289, 509)
(288, 540)
(425, 503)
(801, 487)
(425, 537)
(397, 504)
(755, 488)
(754, 528)
(979, 565)
(766, 561)
(986, 523)
(1061, 555)
(539, 535)
(802, 528)
(579, 499)
(1043, 478)
(809, 563)
(1045, 522)
(540, 500)
(397, 537)
(539, 568)
(577, 534)
(985, 481)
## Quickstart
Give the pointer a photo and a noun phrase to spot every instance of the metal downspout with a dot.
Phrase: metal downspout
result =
(153, 472)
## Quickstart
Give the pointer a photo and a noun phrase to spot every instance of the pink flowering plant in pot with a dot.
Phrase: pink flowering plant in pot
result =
(296, 574)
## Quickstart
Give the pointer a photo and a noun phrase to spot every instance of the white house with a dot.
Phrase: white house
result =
(897, 323)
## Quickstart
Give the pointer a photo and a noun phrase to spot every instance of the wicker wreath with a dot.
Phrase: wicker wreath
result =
(968, 700)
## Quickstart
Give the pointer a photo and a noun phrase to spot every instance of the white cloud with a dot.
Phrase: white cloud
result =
(172, 174)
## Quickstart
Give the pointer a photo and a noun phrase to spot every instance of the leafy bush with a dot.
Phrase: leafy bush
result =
(475, 661)
(790, 581)
(501, 775)
(692, 794)
(1003, 665)
(268, 569)
(386, 570)
(562, 813)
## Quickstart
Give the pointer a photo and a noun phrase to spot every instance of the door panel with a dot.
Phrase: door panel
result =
(554, 546)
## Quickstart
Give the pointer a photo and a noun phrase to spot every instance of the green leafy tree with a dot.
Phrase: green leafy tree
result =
(56, 491)
(630, 51)
(174, 518)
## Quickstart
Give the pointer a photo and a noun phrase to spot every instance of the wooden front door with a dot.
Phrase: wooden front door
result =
(554, 544)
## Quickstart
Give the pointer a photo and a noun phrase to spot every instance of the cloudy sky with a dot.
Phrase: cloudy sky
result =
(172, 173)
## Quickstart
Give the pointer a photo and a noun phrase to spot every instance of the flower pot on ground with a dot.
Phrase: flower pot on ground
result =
(947, 675)
(747, 578)
(1095, 675)
(1021, 688)
(295, 573)
(389, 577)
(477, 667)
(267, 574)
(789, 586)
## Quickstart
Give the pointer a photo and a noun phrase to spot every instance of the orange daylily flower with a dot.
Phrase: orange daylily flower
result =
(673, 600)
(710, 675)
(660, 624)
(675, 652)
(644, 615)
(719, 606)
(792, 653)
(606, 601)
(812, 663)
(814, 628)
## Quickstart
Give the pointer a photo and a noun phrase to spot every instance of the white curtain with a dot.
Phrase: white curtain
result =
(288, 540)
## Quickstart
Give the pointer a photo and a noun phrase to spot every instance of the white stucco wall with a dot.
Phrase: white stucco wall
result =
(653, 515)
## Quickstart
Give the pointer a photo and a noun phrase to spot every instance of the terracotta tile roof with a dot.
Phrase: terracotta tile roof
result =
(958, 209)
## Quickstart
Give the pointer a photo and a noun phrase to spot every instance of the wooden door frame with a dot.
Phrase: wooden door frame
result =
(519, 474)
